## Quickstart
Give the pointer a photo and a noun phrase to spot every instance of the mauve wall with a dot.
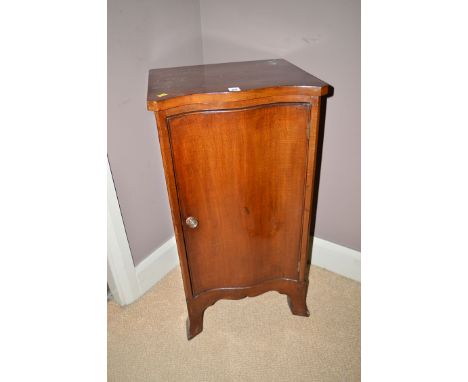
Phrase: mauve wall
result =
(323, 38)
(142, 35)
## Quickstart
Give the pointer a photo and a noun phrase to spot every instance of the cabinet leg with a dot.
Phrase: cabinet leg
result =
(297, 301)
(194, 321)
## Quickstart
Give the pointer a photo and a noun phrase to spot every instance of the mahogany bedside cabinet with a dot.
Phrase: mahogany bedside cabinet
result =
(239, 146)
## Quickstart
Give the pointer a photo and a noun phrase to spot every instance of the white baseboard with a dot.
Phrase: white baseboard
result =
(157, 265)
(333, 257)
(337, 258)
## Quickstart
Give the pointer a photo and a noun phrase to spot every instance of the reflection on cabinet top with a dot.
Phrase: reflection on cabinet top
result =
(171, 87)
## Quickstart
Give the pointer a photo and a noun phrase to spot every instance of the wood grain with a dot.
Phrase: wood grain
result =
(172, 87)
(243, 164)
(241, 173)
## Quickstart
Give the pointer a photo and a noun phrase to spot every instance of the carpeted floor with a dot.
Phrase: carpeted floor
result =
(254, 339)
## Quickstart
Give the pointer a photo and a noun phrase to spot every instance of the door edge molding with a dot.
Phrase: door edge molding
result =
(121, 275)
(128, 282)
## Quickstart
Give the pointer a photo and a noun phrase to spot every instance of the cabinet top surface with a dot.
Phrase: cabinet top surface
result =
(234, 77)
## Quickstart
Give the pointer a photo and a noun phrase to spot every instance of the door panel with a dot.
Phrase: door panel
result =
(241, 174)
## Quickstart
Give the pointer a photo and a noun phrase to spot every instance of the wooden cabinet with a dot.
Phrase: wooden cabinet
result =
(239, 144)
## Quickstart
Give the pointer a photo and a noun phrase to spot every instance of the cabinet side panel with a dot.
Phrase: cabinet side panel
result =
(173, 200)
(242, 174)
(309, 189)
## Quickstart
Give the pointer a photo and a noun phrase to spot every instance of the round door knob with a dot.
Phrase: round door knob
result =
(191, 222)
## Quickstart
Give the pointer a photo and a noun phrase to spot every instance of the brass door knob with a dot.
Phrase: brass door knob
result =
(191, 222)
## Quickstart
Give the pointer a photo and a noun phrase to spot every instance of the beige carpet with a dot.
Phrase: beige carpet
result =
(254, 339)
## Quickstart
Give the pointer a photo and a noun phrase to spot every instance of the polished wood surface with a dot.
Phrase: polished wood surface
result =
(241, 173)
(244, 166)
(170, 87)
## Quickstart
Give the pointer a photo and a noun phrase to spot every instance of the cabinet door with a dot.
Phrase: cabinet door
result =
(241, 174)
